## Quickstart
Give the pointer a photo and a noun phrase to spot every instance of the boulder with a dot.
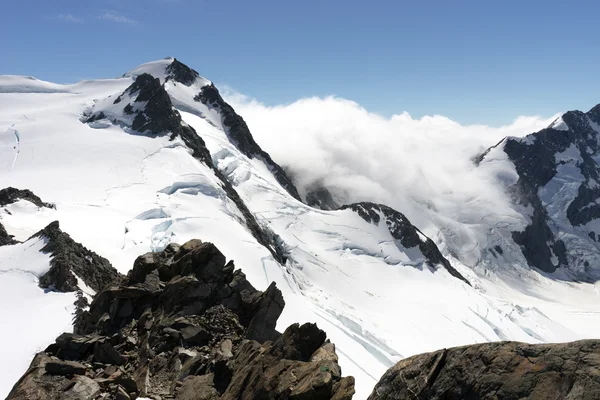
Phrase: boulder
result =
(504, 370)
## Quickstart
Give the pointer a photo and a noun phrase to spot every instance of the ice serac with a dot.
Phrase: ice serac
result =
(559, 187)
(182, 325)
(504, 370)
(240, 135)
(145, 107)
(405, 233)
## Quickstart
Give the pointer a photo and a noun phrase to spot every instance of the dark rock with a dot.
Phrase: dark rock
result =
(181, 73)
(195, 336)
(299, 342)
(11, 195)
(106, 354)
(121, 394)
(270, 307)
(186, 339)
(5, 238)
(406, 233)
(505, 370)
(58, 367)
(240, 136)
(71, 260)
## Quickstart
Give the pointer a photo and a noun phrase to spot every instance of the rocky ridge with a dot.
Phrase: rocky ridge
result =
(72, 262)
(238, 132)
(185, 324)
(406, 233)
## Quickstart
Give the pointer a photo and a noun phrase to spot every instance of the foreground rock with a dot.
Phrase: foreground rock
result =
(506, 370)
(185, 324)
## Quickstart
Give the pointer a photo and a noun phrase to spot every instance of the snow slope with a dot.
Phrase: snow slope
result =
(31, 317)
(123, 193)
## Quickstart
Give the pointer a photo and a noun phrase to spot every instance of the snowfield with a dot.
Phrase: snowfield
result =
(122, 194)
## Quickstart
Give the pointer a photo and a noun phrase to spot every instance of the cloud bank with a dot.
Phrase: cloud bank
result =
(422, 167)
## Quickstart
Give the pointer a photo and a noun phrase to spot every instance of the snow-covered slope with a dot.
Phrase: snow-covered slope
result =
(156, 156)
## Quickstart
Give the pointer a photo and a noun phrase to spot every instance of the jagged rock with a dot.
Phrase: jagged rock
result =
(70, 260)
(5, 238)
(505, 370)
(201, 331)
(11, 195)
(240, 136)
(320, 197)
(59, 367)
(181, 73)
(270, 306)
(299, 342)
(406, 233)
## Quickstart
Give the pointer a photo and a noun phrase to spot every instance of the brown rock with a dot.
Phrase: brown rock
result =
(505, 370)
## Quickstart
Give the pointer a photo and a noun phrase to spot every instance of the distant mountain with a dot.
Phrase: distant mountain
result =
(557, 184)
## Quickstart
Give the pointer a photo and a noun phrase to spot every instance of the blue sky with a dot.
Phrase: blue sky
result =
(473, 61)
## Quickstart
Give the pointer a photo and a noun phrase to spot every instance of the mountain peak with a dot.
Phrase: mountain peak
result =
(169, 69)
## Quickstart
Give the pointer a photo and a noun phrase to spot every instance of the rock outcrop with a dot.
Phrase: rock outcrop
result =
(239, 134)
(404, 232)
(185, 324)
(5, 238)
(11, 195)
(72, 262)
(505, 370)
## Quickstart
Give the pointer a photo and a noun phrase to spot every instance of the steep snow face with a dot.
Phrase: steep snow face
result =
(557, 183)
(123, 193)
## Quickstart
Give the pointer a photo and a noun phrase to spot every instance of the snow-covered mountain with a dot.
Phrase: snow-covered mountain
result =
(553, 182)
(157, 156)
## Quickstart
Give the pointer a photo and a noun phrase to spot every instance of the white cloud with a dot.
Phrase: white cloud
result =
(116, 17)
(422, 167)
(68, 18)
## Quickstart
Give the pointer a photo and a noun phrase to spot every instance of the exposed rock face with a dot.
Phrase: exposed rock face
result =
(5, 238)
(11, 195)
(505, 370)
(558, 235)
(406, 233)
(185, 324)
(71, 260)
(240, 136)
(181, 73)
